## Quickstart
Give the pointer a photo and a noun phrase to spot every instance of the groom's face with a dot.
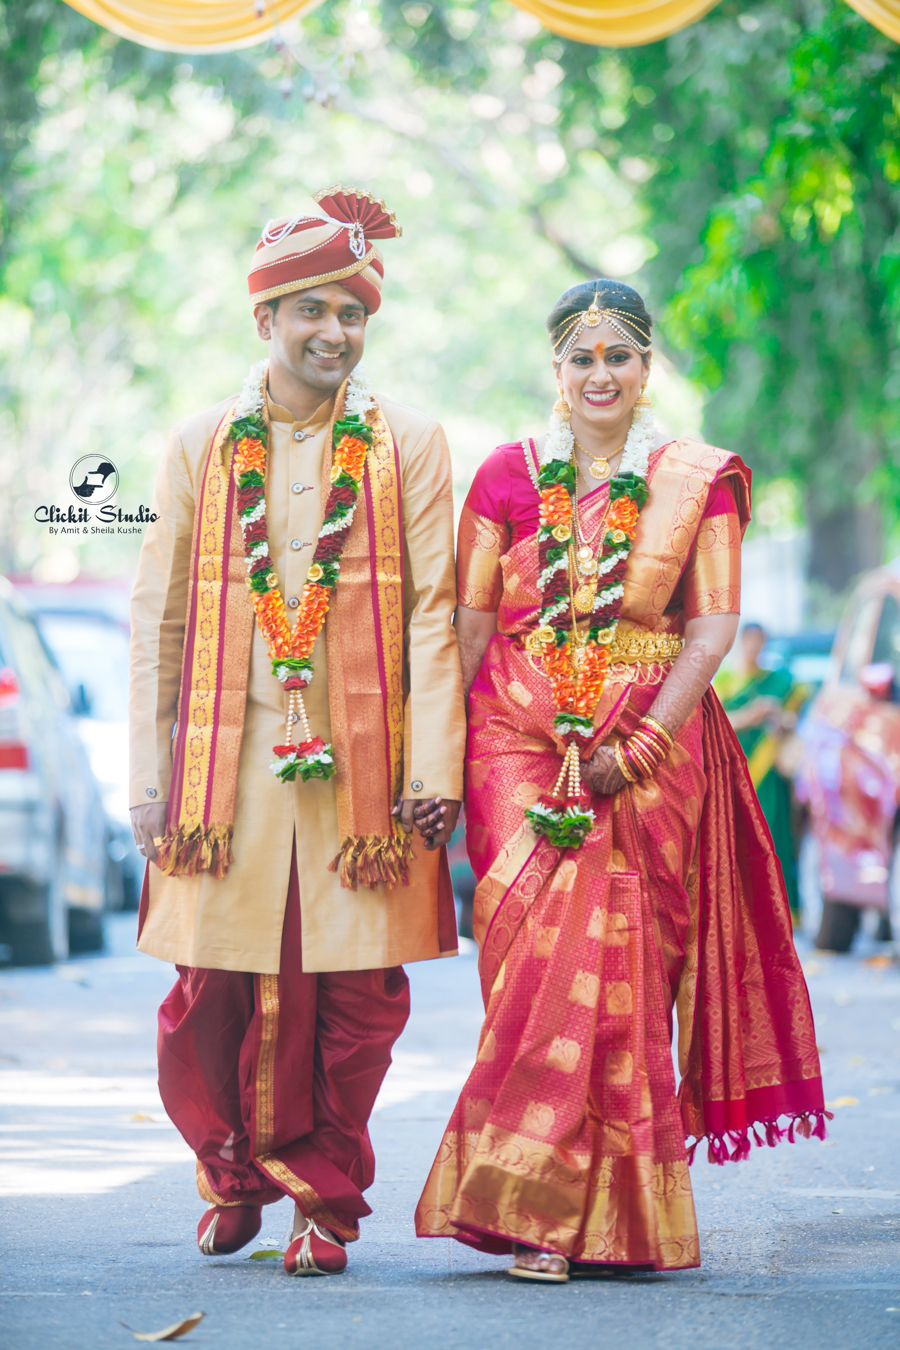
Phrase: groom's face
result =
(317, 335)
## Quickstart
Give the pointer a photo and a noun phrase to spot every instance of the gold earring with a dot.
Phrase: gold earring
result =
(561, 407)
(643, 400)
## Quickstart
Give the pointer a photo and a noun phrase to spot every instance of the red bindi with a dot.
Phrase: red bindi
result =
(599, 349)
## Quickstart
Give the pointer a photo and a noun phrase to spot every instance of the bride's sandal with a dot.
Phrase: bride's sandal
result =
(541, 1272)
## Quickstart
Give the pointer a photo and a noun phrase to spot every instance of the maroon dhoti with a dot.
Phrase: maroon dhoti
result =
(271, 1078)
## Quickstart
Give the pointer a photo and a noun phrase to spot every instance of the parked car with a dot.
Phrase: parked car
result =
(52, 827)
(848, 782)
(806, 655)
(91, 649)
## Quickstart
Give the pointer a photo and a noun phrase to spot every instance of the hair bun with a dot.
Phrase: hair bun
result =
(353, 207)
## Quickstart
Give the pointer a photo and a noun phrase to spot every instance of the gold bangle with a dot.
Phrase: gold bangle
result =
(646, 765)
(624, 767)
(663, 731)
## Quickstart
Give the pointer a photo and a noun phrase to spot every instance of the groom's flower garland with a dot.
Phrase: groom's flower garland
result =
(290, 649)
(577, 672)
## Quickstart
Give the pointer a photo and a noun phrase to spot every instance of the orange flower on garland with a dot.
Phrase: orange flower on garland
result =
(556, 506)
(623, 515)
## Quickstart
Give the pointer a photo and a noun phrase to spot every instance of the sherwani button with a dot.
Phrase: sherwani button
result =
(416, 785)
(293, 602)
(151, 792)
(296, 543)
(299, 435)
(298, 487)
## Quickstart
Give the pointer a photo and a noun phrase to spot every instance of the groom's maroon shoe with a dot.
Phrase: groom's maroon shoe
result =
(227, 1228)
(315, 1251)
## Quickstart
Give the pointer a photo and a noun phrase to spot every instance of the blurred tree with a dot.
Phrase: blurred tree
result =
(762, 144)
(140, 190)
(744, 170)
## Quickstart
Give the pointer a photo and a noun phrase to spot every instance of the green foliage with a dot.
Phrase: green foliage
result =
(762, 146)
(745, 173)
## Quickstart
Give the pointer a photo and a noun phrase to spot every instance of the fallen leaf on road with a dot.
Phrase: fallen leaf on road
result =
(878, 962)
(267, 1254)
(140, 1116)
(167, 1333)
(842, 1101)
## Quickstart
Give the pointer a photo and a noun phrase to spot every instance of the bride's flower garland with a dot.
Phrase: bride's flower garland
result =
(576, 670)
(291, 649)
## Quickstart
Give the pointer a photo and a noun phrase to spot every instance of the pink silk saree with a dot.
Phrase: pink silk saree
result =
(569, 1134)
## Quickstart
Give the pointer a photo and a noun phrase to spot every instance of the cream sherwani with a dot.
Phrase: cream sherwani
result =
(236, 923)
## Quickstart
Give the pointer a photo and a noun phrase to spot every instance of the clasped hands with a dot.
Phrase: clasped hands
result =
(601, 773)
(435, 819)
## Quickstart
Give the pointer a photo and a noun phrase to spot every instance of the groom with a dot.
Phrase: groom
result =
(277, 755)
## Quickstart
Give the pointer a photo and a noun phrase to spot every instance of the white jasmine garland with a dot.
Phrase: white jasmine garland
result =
(611, 593)
(252, 397)
(550, 570)
(359, 394)
(332, 526)
(640, 444)
(560, 442)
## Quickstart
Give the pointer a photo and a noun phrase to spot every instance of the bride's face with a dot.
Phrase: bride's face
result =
(601, 378)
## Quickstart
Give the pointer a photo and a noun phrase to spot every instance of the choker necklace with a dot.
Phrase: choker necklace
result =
(600, 468)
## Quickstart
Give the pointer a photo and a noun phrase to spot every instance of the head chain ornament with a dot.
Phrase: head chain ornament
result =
(592, 317)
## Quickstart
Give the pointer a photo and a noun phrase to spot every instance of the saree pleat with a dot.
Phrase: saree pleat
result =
(570, 1133)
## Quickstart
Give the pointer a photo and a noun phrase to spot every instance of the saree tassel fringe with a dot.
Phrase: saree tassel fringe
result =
(373, 860)
(201, 849)
(809, 1124)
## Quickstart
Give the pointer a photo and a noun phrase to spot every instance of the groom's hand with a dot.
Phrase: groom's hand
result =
(436, 820)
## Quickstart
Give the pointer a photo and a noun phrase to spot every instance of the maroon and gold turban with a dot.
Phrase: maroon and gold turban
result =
(296, 253)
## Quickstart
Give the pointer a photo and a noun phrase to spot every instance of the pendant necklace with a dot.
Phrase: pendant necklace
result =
(585, 564)
(599, 469)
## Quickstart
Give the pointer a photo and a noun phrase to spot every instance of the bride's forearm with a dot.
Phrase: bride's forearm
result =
(470, 657)
(474, 630)
(706, 642)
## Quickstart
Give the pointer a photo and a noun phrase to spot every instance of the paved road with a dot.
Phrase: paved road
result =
(801, 1246)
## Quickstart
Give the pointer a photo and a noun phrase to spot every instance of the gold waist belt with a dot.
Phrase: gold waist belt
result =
(635, 648)
(635, 657)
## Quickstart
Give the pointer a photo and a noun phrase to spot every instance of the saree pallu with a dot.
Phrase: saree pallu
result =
(569, 1134)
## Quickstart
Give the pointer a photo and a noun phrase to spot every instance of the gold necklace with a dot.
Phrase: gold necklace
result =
(583, 563)
(600, 468)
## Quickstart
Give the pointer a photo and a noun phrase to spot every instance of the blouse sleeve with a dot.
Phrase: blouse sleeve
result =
(484, 536)
(712, 578)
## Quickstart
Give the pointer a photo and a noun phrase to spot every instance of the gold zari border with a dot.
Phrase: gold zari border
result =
(306, 1197)
(307, 283)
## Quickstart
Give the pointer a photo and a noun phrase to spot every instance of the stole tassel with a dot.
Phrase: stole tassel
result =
(205, 848)
(373, 860)
(809, 1124)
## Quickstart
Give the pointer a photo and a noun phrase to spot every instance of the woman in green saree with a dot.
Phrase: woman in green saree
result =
(762, 708)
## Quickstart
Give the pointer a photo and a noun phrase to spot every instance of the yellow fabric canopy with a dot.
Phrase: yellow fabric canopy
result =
(192, 25)
(883, 14)
(219, 25)
(616, 23)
